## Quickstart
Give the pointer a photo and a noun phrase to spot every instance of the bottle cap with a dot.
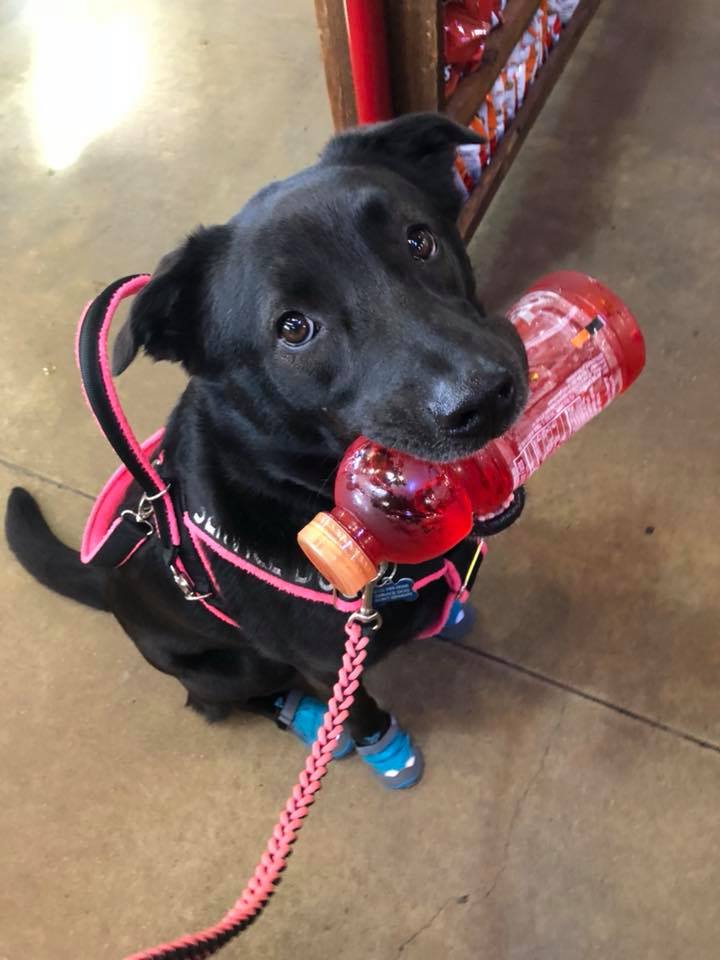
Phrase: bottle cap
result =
(334, 553)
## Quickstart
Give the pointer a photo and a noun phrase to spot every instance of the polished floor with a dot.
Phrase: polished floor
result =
(570, 805)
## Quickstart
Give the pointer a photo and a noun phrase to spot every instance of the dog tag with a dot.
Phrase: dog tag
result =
(391, 592)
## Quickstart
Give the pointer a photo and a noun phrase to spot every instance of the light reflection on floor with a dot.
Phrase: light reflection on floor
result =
(88, 70)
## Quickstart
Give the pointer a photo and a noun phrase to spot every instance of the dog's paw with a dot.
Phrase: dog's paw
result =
(213, 712)
(394, 759)
(303, 715)
(459, 623)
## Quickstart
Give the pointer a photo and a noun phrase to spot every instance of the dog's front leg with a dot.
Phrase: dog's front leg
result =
(367, 718)
(391, 754)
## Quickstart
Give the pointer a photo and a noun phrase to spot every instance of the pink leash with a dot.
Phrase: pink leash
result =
(91, 350)
(267, 875)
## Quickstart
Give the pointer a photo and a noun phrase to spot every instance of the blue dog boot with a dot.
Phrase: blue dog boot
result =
(304, 716)
(459, 622)
(393, 758)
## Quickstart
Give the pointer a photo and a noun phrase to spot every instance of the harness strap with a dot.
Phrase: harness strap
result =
(112, 534)
(156, 512)
(124, 537)
(102, 398)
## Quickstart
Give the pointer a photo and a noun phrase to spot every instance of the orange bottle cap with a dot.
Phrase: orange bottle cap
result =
(334, 553)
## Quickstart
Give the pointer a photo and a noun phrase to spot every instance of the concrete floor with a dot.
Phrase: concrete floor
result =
(569, 811)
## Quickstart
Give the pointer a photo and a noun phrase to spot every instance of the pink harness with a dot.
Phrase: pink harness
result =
(113, 536)
(106, 516)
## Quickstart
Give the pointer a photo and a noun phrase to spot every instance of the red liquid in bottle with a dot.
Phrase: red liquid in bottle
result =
(393, 502)
(583, 348)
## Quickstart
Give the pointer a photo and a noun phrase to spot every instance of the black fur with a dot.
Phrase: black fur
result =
(46, 558)
(402, 354)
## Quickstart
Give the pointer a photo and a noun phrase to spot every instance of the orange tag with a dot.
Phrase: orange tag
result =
(580, 338)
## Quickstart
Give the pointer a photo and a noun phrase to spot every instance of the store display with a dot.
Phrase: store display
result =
(464, 57)
(510, 88)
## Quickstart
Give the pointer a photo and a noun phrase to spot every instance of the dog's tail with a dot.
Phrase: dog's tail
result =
(48, 559)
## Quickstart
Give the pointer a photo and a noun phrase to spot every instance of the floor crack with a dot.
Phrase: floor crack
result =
(36, 475)
(574, 691)
(426, 926)
(521, 803)
(506, 846)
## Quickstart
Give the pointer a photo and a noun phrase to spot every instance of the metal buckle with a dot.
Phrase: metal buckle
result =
(142, 514)
(388, 577)
(379, 580)
(145, 507)
(139, 519)
(367, 613)
(185, 587)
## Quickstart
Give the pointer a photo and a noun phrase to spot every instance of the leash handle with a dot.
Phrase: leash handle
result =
(91, 349)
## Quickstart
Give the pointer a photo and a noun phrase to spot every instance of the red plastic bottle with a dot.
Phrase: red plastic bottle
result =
(584, 348)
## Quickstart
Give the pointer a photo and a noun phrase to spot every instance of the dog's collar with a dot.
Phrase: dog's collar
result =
(203, 526)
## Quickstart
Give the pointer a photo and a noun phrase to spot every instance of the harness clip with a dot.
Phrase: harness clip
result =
(367, 613)
(140, 520)
(145, 508)
(185, 586)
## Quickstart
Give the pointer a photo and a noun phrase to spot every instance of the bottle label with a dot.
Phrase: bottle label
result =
(562, 403)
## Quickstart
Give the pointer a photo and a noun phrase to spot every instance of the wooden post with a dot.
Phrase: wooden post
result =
(415, 53)
(330, 16)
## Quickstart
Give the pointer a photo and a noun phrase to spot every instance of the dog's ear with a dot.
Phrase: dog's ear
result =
(166, 316)
(419, 146)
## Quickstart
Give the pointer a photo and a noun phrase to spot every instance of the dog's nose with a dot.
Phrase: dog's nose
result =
(490, 405)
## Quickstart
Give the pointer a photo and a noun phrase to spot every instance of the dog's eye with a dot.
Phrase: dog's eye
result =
(422, 242)
(295, 329)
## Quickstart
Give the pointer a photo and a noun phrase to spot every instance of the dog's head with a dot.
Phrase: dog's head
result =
(341, 302)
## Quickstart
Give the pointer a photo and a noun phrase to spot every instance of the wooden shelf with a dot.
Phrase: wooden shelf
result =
(471, 90)
(495, 172)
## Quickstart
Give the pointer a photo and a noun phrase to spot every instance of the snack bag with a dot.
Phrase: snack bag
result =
(563, 8)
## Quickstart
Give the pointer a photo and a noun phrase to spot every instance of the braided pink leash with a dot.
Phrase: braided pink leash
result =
(260, 887)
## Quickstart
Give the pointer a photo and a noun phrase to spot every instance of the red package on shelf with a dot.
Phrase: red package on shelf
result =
(464, 35)
(466, 26)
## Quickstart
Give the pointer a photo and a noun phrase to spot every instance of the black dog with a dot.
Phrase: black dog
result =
(338, 302)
